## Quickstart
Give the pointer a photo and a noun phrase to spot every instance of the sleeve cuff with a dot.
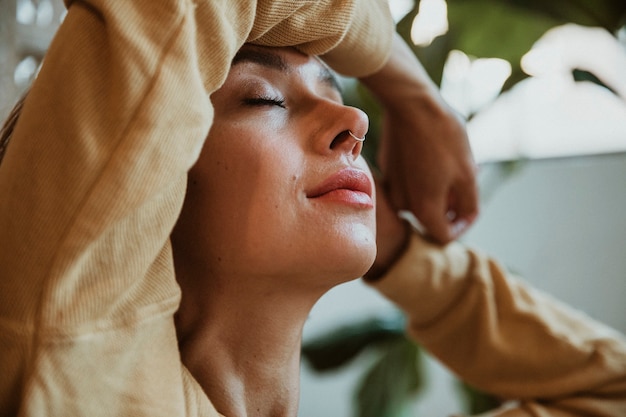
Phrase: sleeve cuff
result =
(426, 278)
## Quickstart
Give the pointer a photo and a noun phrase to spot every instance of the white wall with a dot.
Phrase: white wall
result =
(559, 223)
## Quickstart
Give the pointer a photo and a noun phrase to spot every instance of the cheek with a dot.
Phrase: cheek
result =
(254, 177)
(226, 181)
(248, 189)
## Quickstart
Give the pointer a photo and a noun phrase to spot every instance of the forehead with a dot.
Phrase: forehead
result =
(285, 60)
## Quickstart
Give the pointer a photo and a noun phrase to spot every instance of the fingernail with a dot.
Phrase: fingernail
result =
(413, 221)
(459, 227)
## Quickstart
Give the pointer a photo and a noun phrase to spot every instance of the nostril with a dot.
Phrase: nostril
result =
(340, 139)
(348, 143)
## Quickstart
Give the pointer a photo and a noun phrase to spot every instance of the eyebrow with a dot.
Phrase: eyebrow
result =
(264, 58)
(275, 61)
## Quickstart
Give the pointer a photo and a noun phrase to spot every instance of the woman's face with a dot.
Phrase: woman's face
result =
(280, 187)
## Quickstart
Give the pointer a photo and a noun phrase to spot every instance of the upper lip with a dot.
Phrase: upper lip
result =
(345, 179)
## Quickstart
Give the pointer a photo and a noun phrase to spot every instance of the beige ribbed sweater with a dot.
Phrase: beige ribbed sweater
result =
(92, 184)
(93, 180)
(507, 338)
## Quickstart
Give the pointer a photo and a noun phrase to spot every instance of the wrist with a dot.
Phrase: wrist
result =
(391, 247)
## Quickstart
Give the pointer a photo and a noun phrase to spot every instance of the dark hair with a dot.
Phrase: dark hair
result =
(9, 124)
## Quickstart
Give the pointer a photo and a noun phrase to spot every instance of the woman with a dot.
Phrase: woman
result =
(278, 209)
(95, 175)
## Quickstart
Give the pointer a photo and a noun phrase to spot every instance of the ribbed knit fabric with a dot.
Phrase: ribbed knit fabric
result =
(93, 181)
(92, 184)
(505, 337)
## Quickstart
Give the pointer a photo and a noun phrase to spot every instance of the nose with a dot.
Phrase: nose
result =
(348, 132)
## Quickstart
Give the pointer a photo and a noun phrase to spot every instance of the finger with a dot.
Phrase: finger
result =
(435, 217)
(463, 208)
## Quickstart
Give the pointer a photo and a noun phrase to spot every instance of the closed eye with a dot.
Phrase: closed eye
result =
(265, 101)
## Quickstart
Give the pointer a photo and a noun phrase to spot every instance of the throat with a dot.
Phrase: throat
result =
(240, 338)
(250, 393)
(246, 367)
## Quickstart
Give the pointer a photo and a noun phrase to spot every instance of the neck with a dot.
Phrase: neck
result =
(242, 343)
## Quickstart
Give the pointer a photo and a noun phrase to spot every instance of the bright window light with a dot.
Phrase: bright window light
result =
(45, 13)
(430, 22)
(469, 85)
(26, 12)
(549, 114)
(570, 46)
(29, 12)
(400, 8)
(25, 71)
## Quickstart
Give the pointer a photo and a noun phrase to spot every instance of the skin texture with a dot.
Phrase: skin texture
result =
(260, 238)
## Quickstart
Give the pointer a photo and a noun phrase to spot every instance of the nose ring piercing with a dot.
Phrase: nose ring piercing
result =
(355, 137)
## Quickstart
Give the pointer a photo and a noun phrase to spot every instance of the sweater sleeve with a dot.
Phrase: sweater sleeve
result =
(505, 337)
(354, 38)
(92, 183)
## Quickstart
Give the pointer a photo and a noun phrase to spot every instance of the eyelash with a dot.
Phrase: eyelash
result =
(265, 101)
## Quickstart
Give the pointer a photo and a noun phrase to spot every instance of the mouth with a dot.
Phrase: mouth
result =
(349, 185)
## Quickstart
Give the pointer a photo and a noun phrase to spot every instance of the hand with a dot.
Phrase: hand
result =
(424, 156)
(392, 235)
(428, 169)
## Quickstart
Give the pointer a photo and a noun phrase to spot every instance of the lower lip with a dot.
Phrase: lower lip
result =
(347, 197)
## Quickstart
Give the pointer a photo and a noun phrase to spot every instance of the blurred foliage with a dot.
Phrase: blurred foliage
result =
(507, 29)
(391, 381)
(480, 28)
(504, 29)
(391, 384)
(343, 344)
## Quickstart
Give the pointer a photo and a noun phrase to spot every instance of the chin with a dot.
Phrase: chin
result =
(356, 256)
(361, 270)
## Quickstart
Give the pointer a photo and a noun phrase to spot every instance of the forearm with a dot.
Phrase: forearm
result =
(113, 122)
(505, 337)
(353, 37)
(424, 153)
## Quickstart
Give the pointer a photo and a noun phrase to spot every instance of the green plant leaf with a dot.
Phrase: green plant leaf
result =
(609, 14)
(337, 347)
(389, 385)
(496, 29)
(490, 28)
